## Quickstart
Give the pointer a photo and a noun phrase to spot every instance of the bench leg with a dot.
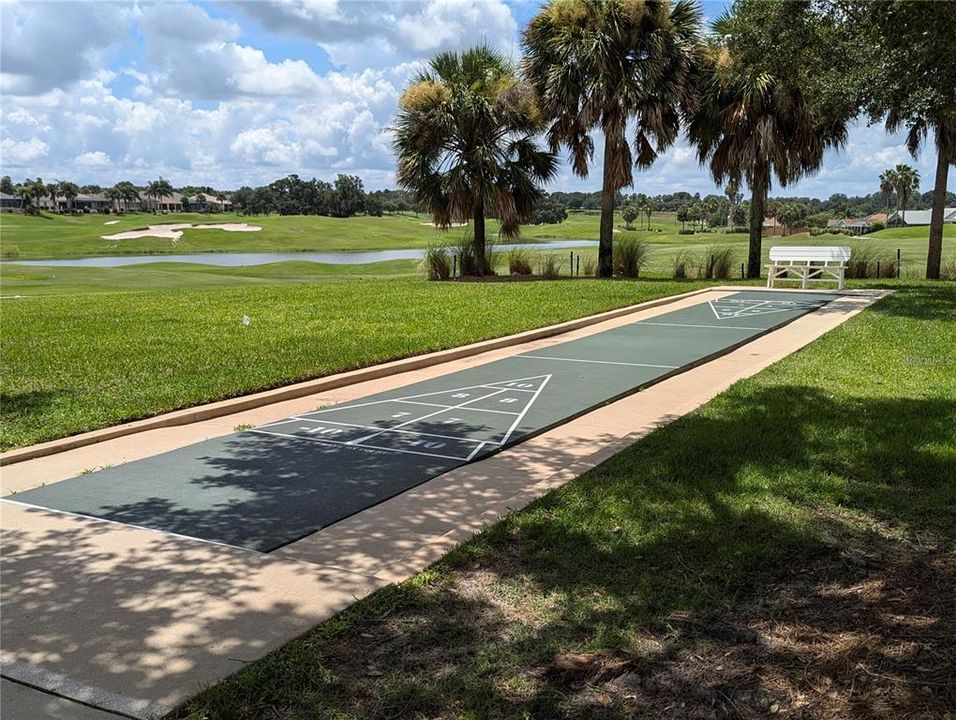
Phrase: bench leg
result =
(806, 278)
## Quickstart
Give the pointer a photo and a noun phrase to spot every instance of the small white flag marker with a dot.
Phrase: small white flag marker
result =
(245, 319)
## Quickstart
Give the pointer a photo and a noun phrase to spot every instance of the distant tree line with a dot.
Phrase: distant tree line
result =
(344, 197)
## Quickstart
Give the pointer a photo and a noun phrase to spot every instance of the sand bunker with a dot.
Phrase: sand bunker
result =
(111, 222)
(454, 225)
(174, 231)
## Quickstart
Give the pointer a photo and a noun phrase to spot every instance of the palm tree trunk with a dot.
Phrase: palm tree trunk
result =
(608, 193)
(757, 199)
(479, 240)
(935, 251)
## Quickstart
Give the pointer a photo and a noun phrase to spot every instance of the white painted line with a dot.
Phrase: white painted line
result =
(322, 441)
(497, 391)
(372, 427)
(708, 327)
(598, 362)
(525, 411)
(497, 387)
(449, 407)
(475, 451)
(69, 513)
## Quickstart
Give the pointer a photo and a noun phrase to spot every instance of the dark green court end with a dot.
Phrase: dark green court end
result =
(264, 488)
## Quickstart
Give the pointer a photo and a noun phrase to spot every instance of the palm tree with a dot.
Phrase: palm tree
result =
(752, 125)
(630, 213)
(888, 182)
(600, 64)
(52, 191)
(465, 141)
(221, 199)
(732, 191)
(37, 191)
(114, 195)
(648, 211)
(201, 202)
(683, 215)
(907, 182)
(25, 193)
(69, 191)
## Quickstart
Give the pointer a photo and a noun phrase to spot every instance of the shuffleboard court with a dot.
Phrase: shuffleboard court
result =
(264, 488)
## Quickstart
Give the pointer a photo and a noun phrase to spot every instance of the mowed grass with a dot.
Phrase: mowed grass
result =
(75, 362)
(785, 550)
(61, 236)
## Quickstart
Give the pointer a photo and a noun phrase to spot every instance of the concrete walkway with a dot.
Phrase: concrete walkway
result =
(136, 621)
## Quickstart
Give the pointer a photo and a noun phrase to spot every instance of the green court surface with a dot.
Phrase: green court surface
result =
(264, 488)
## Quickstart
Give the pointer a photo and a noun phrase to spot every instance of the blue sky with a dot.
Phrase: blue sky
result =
(231, 93)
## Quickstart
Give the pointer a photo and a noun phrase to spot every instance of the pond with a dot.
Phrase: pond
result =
(246, 259)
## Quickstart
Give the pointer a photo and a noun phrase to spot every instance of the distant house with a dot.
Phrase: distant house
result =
(174, 204)
(918, 217)
(857, 226)
(9, 202)
(84, 202)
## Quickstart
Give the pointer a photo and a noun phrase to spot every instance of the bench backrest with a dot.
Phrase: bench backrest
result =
(809, 253)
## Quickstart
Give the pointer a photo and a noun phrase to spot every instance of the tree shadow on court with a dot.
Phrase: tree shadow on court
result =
(784, 552)
(262, 491)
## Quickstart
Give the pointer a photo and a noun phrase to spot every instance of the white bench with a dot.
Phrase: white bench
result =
(811, 263)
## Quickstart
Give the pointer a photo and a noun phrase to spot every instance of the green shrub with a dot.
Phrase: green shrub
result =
(549, 267)
(685, 232)
(589, 269)
(519, 262)
(679, 264)
(719, 263)
(629, 257)
(466, 256)
(436, 263)
(867, 261)
(947, 270)
(11, 252)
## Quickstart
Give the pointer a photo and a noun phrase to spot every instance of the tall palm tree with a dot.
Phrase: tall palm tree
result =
(907, 182)
(114, 195)
(751, 125)
(888, 182)
(600, 64)
(54, 190)
(69, 191)
(465, 141)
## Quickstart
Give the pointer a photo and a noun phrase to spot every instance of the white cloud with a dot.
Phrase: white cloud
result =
(49, 45)
(197, 56)
(264, 145)
(94, 159)
(378, 34)
(15, 153)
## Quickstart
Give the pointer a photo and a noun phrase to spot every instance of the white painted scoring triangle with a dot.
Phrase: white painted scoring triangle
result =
(729, 308)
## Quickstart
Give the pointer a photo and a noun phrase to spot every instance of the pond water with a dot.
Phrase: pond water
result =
(246, 259)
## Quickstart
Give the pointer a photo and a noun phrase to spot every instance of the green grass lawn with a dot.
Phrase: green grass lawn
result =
(60, 236)
(785, 550)
(104, 346)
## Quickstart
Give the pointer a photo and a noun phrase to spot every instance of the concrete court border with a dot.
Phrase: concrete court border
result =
(250, 401)
(308, 580)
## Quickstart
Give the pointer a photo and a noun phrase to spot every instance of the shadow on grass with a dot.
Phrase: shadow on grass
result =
(725, 566)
